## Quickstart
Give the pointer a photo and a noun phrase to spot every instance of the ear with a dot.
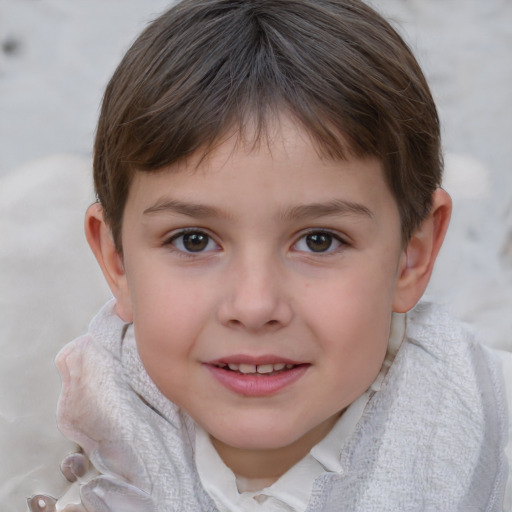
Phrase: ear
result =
(102, 244)
(420, 254)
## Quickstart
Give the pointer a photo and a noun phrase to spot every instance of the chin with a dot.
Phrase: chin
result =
(257, 437)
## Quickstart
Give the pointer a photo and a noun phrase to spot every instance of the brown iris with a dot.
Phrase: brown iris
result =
(195, 242)
(319, 242)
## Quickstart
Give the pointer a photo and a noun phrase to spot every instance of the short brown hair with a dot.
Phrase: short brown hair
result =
(206, 66)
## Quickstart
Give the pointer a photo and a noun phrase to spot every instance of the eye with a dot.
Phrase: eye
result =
(193, 242)
(318, 242)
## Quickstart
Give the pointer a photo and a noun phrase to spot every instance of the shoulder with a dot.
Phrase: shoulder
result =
(453, 346)
(504, 359)
(449, 339)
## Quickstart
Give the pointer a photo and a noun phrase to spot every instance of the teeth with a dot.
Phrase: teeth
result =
(247, 368)
(265, 368)
(252, 368)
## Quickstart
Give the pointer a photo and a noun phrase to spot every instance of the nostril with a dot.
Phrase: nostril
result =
(238, 323)
(254, 313)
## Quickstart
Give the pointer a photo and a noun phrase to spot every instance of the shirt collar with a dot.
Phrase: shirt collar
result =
(328, 451)
(294, 487)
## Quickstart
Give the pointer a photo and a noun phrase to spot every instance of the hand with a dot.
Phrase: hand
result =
(73, 467)
(103, 493)
(100, 494)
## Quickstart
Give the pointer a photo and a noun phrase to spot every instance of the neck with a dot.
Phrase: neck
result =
(268, 465)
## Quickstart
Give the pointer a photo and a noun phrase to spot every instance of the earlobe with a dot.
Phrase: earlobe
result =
(421, 252)
(101, 242)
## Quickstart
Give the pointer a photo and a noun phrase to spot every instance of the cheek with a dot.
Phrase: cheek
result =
(356, 298)
(169, 302)
(168, 326)
(168, 321)
(356, 354)
(165, 343)
(351, 319)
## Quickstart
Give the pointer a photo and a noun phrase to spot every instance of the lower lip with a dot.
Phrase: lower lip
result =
(257, 385)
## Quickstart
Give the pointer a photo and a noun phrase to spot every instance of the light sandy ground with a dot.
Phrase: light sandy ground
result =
(55, 58)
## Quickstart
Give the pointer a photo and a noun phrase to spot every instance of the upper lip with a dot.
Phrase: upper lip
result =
(255, 360)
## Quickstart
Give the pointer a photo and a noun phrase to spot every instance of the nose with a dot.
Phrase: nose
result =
(255, 296)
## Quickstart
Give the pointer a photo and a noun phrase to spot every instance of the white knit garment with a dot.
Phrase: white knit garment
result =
(432, 439)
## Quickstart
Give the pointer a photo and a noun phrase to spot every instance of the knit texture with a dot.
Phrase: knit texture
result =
(432, 439)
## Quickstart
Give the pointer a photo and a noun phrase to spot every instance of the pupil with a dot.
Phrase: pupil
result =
(319, 242)
(195, 242)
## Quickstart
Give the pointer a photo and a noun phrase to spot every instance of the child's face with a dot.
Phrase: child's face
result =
(258, 257)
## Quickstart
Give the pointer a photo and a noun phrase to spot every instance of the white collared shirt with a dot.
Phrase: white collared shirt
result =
(291, 492)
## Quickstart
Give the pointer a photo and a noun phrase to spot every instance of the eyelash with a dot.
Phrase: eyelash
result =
(183, 251)
(334, 238)
(170, 242)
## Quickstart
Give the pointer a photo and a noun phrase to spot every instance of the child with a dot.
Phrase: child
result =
(269, 212)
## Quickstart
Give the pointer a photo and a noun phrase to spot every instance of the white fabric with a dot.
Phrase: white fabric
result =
(432, 438)
(291, 493)
(129, 430)
(506, 364)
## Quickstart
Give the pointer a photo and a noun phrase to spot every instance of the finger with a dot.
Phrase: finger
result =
(74, 466)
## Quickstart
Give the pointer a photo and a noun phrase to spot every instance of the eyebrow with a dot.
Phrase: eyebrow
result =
(335, 207)
(184, 208)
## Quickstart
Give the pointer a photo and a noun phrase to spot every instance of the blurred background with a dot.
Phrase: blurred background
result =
(55, 59)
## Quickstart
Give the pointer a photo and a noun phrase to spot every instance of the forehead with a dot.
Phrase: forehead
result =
(281, 170)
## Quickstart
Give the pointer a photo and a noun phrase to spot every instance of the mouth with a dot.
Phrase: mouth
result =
(267, 369)
(264, 377)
